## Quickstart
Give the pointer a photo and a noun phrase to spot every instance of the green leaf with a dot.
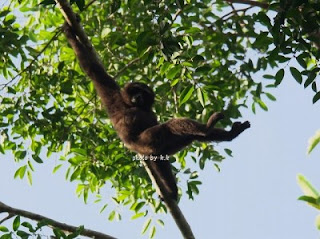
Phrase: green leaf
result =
(56, 168)
(200, 97)
(29, 176)
(308, 199)
(296, 74)
(139, 206)
(313, 142)
(261, 104)
(79, 151)
(217, 167)
(314, 86)
(152, 232)
(269, 77)
(253, 107)
(20, 172)
(173, 72)
(316, 97)
(111, 215)
(160, 222)
(103, 208)
(146, 226)
(138, 215)
(85, 194)
(16, 223)
(229, 152)
(271, 97)
(3, 229)
(311, 78)
(165, 67)
(301, 61)
(29, 226)
(279, 77)
(186, 94)
(203, 69)
(306, 187)
(318, 222)
(37, 158)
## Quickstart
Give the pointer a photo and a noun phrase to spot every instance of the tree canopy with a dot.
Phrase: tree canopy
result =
(199, 57)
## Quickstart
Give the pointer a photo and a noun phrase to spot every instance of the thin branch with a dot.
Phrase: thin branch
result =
(235, 12)
(131, 63)
(263, 5)
(51, 222)
(6, 218)
(33, 60)
(89, 4)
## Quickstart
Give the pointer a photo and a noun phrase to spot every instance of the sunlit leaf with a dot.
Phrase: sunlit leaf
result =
(186, 94)
(313, 142)
(306, 187)
(146, 226)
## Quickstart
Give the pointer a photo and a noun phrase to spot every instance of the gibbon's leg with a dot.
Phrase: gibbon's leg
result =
(164, 170)
(190, 127)
(172, 136)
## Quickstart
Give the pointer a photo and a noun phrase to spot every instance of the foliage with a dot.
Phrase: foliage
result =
(311, 195)
(25, 230)
(199, 57)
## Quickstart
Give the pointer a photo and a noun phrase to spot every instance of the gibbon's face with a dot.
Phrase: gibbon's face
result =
(138, 95)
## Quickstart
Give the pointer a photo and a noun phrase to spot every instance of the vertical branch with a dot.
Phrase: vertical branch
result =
(171, 204)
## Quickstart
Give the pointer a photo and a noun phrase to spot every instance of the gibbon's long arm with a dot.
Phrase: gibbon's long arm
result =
(105, 85)
(111, 97)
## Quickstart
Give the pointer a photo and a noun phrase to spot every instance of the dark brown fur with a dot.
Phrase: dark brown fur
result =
(130, 111)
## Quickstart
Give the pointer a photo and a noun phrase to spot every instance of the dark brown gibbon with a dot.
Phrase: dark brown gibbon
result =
(130, 111)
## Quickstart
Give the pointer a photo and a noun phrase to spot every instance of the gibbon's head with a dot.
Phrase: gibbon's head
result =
(138, 95)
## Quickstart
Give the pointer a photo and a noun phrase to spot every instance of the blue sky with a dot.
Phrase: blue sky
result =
(254, 195)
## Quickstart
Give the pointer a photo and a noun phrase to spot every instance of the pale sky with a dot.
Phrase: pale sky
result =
(254, 195)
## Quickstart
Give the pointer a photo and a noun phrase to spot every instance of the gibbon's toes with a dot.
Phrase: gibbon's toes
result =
(246, 124)
(240, 127)
(236, 124)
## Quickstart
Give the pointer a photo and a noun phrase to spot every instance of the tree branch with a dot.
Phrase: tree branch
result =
(53, 223)
(170, 203)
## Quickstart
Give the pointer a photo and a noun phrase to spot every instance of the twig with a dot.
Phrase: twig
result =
(6, 218)
(235, 11)
(131, 63)
(89, 4)
(51, 222)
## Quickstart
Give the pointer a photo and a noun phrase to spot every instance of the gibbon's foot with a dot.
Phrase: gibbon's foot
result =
(238, 127)
(214, 118)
